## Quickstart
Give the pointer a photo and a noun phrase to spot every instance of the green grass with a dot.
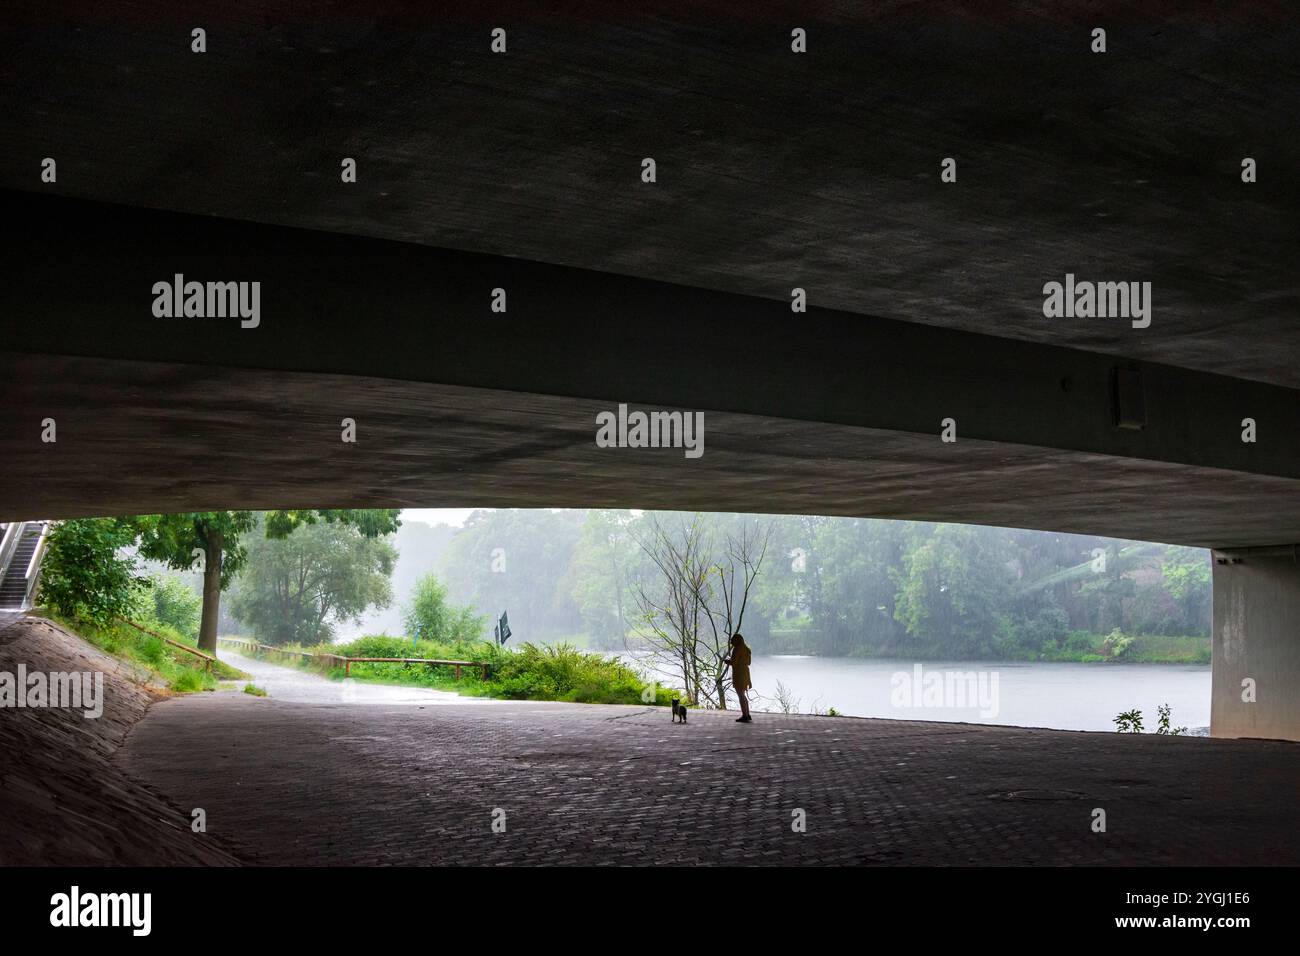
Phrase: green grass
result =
(1089, 648)
(254, 690)
(1154, 648)
(170, 666)
(529, 672)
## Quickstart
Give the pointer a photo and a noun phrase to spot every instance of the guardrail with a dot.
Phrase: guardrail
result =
(483, 668)
(347, 662)
(253, 646)
(208, 659)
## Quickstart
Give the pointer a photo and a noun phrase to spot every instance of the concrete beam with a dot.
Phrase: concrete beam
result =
(82, 275)
(153, 436)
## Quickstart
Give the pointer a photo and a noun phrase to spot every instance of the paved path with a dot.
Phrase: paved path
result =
(303, 687)
(329, 783)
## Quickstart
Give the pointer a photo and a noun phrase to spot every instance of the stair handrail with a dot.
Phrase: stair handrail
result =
(9, 544)
(34, 565)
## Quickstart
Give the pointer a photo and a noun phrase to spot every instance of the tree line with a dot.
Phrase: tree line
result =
(90, 571)
(621, 580)
(831, 586)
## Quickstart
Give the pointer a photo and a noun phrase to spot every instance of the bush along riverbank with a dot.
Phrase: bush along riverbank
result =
(1083, 647)
(529, 672)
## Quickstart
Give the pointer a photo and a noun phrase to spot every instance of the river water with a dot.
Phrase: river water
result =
(1060, 696)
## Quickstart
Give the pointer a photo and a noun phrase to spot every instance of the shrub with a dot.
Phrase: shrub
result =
(1163, 726)
(1116, 644)
(430, 617)
(1129, 722)
(82, 576)
(175, 605)
(1079, 641)
(531, 672)
(562, 672)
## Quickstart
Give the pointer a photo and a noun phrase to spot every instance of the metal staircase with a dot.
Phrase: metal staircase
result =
(21, 548)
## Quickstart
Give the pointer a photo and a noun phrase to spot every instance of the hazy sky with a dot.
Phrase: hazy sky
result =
(452, 516)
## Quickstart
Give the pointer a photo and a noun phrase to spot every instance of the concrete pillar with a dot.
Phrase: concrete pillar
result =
(1256, 641)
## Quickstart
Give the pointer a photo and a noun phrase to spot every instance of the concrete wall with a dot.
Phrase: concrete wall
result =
(1256, 636)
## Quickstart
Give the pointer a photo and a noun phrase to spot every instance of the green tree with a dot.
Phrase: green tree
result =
(84, 575)
(955, 587)
(209, 540)
(860, 563)
(296, 588)
(597, 577)
(1107, 591)
(213, 541)
(175, 604)
(1188, 581)
(430, 616)
(517, 560)
(696, 598)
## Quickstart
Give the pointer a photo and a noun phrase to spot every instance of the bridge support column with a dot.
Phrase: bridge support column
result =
(1256, 648)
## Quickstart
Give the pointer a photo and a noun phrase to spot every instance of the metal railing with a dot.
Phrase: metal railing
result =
(337, 660)
(208, 659)
(34, 566)
(8, 544)
(15, 534)
(481, 665)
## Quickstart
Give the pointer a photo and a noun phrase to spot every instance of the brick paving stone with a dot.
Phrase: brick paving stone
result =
(337, 783)
(289, 783)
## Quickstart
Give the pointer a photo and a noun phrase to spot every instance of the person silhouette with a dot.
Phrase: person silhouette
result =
(740, 680)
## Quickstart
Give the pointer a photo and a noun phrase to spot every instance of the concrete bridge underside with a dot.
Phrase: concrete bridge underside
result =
(522, 172)
(151, 436)
(826, 412)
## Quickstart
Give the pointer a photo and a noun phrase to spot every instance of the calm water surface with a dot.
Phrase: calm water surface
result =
(1061, 696)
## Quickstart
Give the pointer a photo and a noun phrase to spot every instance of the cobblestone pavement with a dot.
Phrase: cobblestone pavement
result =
(289, 783)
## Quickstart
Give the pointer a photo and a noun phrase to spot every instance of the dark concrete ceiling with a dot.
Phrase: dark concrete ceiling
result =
(774, 169)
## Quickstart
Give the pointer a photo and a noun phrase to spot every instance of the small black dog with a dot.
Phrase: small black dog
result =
(679, 710)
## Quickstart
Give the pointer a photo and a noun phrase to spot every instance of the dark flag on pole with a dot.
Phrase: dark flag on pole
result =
(503, 629)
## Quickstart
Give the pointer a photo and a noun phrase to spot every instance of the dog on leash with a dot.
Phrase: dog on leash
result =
(679, 710)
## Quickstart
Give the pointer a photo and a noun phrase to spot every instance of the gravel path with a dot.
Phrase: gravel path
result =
(295, 685)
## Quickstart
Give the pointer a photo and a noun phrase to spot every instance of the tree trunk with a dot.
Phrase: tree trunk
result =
(211, 593)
